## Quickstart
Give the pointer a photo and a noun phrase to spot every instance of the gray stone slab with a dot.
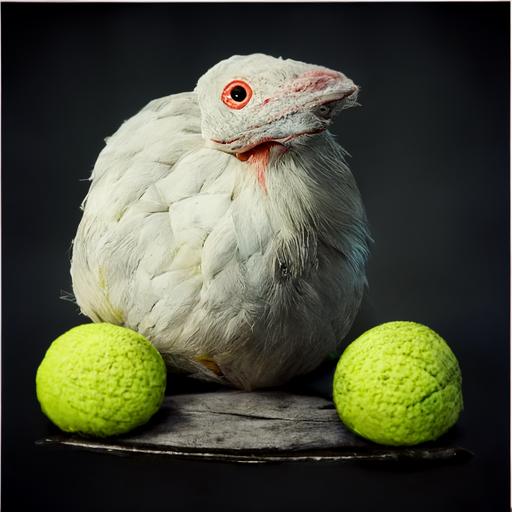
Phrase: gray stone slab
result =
(251, 427)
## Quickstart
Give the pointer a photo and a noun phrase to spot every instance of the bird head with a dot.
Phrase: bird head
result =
(250, 101)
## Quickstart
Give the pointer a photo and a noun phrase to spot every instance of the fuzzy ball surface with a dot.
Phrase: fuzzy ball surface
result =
(398, 384)
(100, 380)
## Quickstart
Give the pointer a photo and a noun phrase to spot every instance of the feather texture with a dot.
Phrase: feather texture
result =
(180, 241)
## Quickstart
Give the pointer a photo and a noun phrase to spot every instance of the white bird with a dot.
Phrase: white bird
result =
(225, 226)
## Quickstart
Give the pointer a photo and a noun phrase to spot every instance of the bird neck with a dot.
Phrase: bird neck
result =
(309, 197)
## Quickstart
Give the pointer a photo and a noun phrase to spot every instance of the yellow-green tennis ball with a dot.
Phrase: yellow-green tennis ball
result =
(100, 380)
(398, 384)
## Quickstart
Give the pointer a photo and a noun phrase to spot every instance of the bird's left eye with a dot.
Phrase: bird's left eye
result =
(236, 94)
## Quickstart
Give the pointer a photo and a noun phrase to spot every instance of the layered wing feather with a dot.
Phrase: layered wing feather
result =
(128, 235)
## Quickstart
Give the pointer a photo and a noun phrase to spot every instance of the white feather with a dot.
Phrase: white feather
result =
(185, 243)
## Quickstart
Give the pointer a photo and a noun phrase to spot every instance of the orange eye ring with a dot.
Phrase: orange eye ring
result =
(236, 94)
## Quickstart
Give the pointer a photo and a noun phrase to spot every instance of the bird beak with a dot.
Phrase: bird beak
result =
(323, 87)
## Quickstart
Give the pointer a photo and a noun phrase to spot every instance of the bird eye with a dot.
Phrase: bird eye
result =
(236, 94)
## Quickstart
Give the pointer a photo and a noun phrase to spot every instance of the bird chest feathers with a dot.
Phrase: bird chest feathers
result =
(225, 226)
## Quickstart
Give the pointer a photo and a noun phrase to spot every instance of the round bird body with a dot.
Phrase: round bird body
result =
(225, 226)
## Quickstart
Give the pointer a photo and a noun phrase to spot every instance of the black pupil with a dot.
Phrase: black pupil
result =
(238, 93)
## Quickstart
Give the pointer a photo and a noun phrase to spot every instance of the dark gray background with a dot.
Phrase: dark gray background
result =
(430, 150)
